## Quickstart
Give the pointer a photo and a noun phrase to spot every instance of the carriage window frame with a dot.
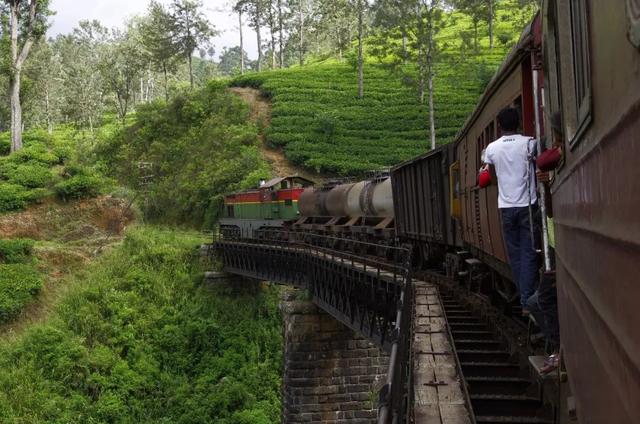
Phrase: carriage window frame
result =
(582, 83)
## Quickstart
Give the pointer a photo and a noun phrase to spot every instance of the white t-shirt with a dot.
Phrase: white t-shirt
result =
(511, 155)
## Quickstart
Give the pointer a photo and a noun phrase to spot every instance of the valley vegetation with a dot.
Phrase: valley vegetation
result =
(118, 144)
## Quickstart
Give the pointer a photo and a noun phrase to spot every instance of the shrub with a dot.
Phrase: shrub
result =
(18, 284)
(12, 197)
(30, 175)
(78, 187)
(36, 153)
(15, 251)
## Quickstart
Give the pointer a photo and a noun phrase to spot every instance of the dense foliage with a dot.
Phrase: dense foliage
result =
(19, 277)
(48, 164)
(200, 145)
(140, 339)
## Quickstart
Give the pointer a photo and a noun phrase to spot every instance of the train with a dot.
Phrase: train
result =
(574, 60)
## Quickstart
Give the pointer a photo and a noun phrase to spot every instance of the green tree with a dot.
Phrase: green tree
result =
(121, 64)
(156, 34)
(80, 55)
(190, 29)
(231, 61)
(28, 21)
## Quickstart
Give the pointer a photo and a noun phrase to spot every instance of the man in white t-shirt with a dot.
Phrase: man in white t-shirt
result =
(511, 160)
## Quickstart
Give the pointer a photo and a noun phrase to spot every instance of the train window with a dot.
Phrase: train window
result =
(284, 185)
(581, 68)
(230, 211)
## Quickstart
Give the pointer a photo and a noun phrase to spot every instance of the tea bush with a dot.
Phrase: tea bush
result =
(18, 284)
(47, 164)
(15, 251)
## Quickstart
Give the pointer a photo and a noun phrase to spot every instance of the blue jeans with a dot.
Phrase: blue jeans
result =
(520, 249)
(543, 305)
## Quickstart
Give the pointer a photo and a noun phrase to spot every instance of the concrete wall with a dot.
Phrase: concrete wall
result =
(331, 374)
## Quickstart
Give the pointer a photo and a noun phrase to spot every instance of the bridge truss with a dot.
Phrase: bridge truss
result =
(366, 287)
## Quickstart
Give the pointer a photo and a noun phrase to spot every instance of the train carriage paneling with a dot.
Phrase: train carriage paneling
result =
(482, 230)
(596, 204)
(421, 198)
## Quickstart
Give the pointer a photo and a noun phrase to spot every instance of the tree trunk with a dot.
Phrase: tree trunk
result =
(48, 109)
(301, 29)
(430, 47)
(421, 54)
(242, 65)
(256, 22)
(491, 24)
(405, 53)
(360, 52)
(475, 36)
(166, 82)
(16, 112)
(191, 69)
(272, 30)
(280, 24)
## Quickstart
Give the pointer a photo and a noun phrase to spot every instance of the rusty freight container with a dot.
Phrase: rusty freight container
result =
(422, 202)
(592, 61)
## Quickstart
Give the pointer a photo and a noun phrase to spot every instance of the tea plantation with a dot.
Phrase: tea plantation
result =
(323, 125)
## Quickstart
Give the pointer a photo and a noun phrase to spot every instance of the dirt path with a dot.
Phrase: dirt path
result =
(261, 111)
(68, 237)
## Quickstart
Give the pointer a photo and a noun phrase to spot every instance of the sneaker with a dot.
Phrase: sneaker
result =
(550, 364)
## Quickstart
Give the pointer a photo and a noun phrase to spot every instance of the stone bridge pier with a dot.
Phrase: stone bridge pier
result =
(331, 374)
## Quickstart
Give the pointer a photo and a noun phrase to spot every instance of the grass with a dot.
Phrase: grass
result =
(138, 338)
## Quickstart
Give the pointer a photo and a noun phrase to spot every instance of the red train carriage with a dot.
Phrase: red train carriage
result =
(478, 213)
(593, 78)
(268, 206)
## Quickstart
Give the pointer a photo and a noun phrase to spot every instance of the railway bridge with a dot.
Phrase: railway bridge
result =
(383, 306)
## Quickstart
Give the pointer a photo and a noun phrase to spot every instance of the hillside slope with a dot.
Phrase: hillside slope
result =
(322, 125)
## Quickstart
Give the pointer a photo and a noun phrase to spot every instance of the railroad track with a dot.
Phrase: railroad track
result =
(500, 388)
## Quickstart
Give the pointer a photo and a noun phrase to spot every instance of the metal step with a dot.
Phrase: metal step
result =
(490, 369)
(505, 405)
(483, 355)
(484, 344)
(498, 385)
(464, 326)
(488, 419)
(472, 334)
(463, 319)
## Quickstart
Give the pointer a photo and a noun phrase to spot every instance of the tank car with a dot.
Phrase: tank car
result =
(361, 210)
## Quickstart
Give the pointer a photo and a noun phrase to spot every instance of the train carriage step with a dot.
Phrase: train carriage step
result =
(464, 326)
(489, 419)
(490, 369)
(462, 319)
(483, 355)
(478, 343)
(472, 334)
(498, 385)
(509, 405)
